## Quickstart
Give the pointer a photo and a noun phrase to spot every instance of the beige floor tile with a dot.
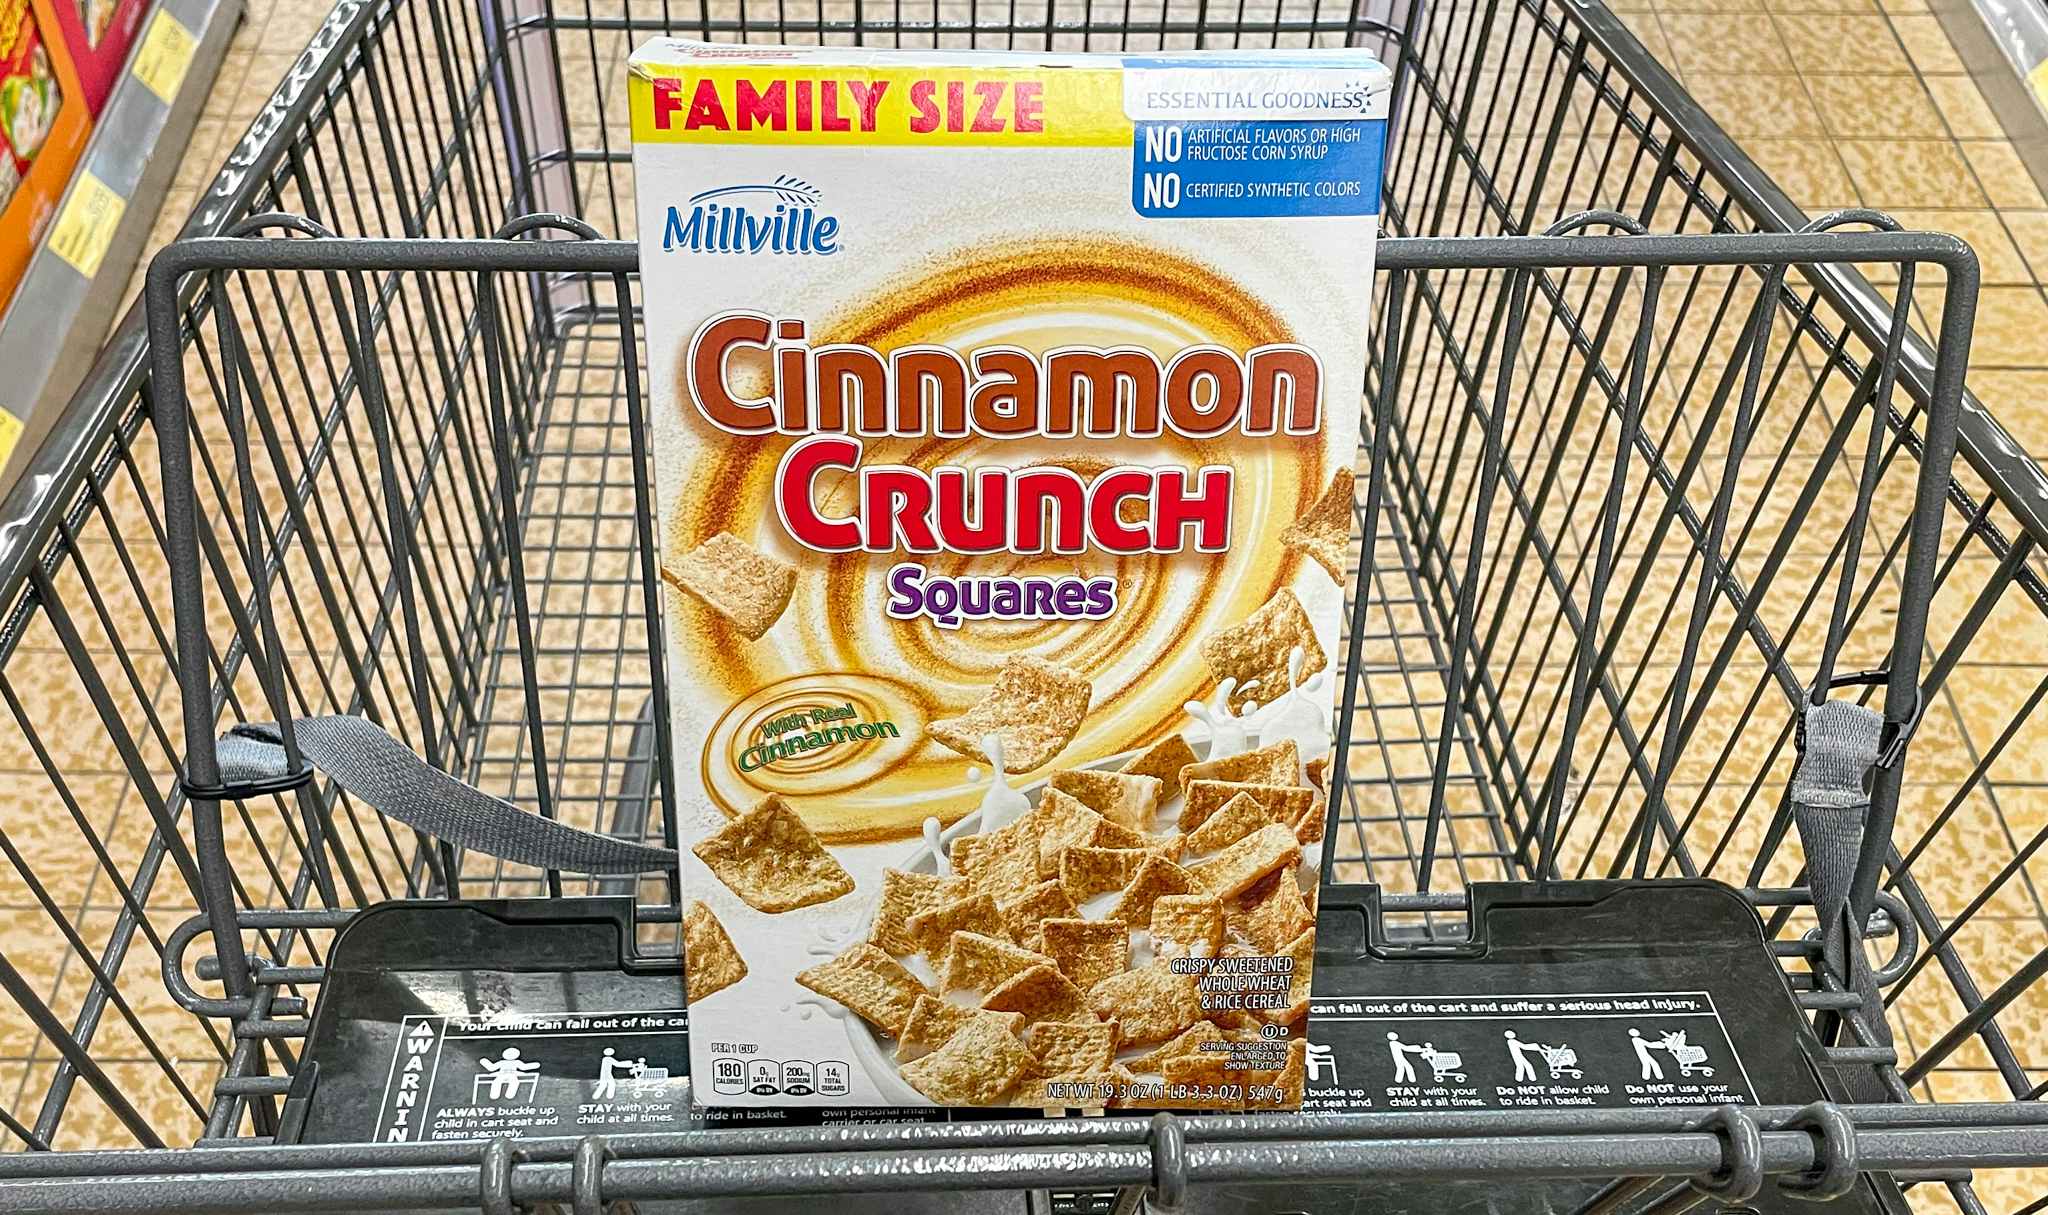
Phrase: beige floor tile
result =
(1875, 107)
(2030, 232)
(1902, 173)
(1963, 108)
(1835, 44)
(1984, 231)
(1702, 43)
(1809, 170)
(1927, 45)
(2006, 181)
(2010, 325)
(1770, 107)
(1853, 7)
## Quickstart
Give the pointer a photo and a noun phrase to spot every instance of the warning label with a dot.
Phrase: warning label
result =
(1606, 1050)
(522, 1077)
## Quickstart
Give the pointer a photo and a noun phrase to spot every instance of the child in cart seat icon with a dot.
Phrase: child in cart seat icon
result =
(1322, 1063)
(502, 1078)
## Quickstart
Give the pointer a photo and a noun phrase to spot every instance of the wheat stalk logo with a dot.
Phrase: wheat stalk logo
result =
(794, 191)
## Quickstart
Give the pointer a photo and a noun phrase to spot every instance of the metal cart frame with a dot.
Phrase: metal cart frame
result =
(474, 397)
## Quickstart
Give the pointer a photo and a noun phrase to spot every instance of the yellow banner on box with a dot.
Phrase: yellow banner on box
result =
(823, 104)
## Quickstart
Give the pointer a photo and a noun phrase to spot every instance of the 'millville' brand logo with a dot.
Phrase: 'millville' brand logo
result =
(775, 217)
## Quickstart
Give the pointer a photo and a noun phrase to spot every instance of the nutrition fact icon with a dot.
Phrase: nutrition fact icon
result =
(781, 1077)
(1610, 1050)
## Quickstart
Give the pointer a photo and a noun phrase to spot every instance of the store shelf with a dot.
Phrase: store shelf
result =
(75, 282)
(2003, 44)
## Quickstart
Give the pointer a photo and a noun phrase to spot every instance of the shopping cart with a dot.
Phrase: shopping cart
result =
(1443, 1064)
(1631, 501)
(1562, 1061)
(1690, 1059)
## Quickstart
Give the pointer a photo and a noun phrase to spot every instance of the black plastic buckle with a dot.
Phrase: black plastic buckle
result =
(1893, 748)
(245, 790)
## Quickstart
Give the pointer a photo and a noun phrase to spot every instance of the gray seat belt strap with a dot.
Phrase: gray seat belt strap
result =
(1830, 803)
(385, 773)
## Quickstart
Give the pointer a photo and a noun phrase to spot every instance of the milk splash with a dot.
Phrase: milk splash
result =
(1226, 730)
(1000, 806)
(1300, 715)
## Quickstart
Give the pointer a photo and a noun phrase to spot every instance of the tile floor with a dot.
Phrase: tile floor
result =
(1845, 102)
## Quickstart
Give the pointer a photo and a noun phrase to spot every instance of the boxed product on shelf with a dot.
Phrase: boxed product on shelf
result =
(1004, 415)
(44, 123)
(99, 35)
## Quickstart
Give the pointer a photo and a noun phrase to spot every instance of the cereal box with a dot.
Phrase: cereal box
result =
(43, 130)
(1003, 419)
(98, 34)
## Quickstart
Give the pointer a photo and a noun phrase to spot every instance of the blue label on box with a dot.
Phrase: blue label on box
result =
(1232, 169)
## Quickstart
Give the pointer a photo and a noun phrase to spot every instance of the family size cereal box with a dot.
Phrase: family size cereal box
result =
(1003, 419)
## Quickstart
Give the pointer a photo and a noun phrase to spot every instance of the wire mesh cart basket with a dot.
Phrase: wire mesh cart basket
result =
(1661, 498)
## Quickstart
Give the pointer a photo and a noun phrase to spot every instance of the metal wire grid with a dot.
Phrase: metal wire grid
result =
(408, 651)
(369, 144)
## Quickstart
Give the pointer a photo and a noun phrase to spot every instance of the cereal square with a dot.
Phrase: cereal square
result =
(1064, 823)
(1163, 759)
(1187, 926)
(1283, 804)
(1117, 796)
(933, 930)
(1033, 707)
(1187, 1042)
(1275, 764)
(1041, 994)
(1022, 916)
(1238, 817)
(1148, 1005)
(1324, 530)
(711, 962)
(870, 983)
(1087, 872)
(772, 861)
(903, 896)
(975, 962)
(740, 583)
(1232, 870)
(1066, 1048)
(1269, 913)
(976, 1066)
(932, 1021)
(1087, 951)
(1155, 877)
(1255, 653)
(1004, 865)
